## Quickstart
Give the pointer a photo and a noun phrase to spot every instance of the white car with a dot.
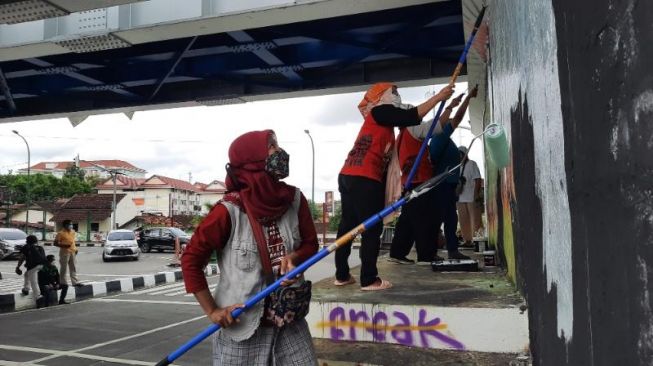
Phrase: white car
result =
(120, 244)
(11, 240)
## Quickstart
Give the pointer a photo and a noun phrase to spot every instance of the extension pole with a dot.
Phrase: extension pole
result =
(348, 237)
(461, 61)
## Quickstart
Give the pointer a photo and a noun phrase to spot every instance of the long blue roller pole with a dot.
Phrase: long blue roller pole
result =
(461, 62)
(373, 220)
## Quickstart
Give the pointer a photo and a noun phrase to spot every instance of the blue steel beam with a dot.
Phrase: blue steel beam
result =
(11, 105)
(180, 55)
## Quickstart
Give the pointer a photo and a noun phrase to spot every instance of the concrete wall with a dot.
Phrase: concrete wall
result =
(35, 216)
(125, 211)
(571, 82)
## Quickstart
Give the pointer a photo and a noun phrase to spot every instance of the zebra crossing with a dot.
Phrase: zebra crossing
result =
(11, 284)
(175, 289)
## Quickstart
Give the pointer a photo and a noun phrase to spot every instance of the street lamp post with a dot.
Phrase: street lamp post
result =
(313, 167)
(112, 173)
(28, 180)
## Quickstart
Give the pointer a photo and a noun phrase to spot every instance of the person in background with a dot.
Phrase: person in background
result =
(445, 155)
(65, 240)
(49, 283)
(361, 181)
(417, 215)
(33, 256)
(469, 215)
(261, 230)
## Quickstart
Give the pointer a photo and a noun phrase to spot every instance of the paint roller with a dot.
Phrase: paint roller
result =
(496, 144)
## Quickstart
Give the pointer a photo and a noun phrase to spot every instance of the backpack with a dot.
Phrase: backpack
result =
(37, 255)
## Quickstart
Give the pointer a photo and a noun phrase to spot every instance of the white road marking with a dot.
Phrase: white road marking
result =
(75, 352)
(147, 301)
(57, 353)
(156, 288)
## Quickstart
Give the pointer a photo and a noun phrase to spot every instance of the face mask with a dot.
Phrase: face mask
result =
(69, 227)
(277, 164)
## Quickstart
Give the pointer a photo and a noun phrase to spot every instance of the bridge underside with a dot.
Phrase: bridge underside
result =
(330, 55)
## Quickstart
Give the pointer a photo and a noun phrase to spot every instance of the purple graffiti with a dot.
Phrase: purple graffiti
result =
(336, 314)
(379, 324)
(379, 319)
(354, 316)
(407, 338)
(432, 323)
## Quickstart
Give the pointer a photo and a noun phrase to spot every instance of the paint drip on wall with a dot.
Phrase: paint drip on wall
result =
(524, 60)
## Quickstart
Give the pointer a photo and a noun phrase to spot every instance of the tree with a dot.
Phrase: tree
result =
(334, 221)
(73, 171)
(316, 213)
(43, 187)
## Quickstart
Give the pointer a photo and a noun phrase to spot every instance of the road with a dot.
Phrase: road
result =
(90, 267)
(137, 328)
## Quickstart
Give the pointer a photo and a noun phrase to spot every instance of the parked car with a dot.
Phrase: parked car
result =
(162, 238)
(120, 244)
(11, 240)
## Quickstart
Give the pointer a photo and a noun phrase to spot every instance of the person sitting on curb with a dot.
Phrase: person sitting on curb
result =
(49, 282)
(33, 256)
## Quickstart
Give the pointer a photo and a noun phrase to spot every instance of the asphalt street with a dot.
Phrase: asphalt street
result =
(137, 328)
(90, 267)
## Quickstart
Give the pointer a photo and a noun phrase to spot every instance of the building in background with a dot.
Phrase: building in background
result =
(90, 167)
(91, 214)
(160, 195)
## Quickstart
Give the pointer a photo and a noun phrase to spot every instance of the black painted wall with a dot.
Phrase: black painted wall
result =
(603, 91)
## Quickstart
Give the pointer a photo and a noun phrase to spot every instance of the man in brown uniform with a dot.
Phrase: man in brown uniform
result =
(65, 240)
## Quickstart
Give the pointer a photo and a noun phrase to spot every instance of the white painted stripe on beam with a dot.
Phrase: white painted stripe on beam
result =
(147, 301)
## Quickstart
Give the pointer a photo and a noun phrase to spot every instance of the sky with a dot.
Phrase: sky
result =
(195, 140)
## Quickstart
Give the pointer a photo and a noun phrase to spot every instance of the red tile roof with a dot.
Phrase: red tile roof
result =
(109, 164)
(127, 182)
(169, 183)
(82, 207)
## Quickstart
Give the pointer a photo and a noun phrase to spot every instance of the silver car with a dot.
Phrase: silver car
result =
(120, 244)
(11, 240)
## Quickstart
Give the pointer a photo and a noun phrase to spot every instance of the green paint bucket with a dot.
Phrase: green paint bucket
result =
(496, 144)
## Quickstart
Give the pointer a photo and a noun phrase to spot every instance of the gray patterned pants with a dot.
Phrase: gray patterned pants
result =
(268, 346)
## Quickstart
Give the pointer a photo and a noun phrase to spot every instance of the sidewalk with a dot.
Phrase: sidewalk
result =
(11, 298)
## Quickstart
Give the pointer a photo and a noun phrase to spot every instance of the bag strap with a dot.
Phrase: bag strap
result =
(263, 252)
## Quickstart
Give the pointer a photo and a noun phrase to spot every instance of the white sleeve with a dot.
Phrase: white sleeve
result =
(420, 131)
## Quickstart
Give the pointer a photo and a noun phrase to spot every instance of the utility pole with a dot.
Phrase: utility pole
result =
(113, 173)
(28, 198)
(313, 169)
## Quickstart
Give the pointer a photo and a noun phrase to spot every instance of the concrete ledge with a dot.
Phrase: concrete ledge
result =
(16, 301)
(459, 311)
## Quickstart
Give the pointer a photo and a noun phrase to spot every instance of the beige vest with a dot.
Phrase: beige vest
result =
(241, 272)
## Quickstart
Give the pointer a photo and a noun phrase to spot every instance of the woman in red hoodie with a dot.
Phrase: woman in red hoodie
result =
(261, 230)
